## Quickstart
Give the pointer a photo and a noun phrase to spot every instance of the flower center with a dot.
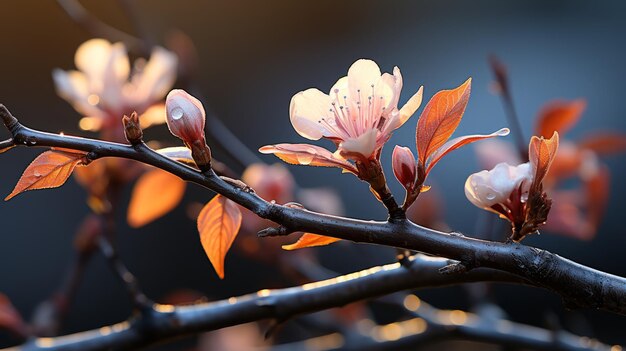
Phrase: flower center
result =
(353, 116)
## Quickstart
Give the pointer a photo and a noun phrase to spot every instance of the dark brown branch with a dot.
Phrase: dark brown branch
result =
(418, 332)
(164, 322)
(129, 280)
(579, 286)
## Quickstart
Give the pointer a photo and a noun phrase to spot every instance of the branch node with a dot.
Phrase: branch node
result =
(456, 268)
(8, 119)
(274, 231)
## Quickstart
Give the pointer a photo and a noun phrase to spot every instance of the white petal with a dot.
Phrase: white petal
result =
(158, 76)
(307, 108)
(362, 75)
(339, 90)
(92, 57)
(411, 106)
(365, 144)
(114, 78)
(487, 188)
(73, 87)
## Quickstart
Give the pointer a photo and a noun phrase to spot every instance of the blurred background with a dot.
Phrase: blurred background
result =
(253, 56)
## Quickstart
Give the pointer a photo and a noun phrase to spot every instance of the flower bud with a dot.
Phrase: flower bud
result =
(404, 166)
(132, 129)
(185, 116)
(487, 188)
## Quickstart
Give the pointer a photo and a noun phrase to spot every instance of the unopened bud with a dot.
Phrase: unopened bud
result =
(185, 116)
(404, 166)
(132, 129)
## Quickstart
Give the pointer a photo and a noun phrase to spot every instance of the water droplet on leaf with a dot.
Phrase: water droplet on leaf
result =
(305, 159)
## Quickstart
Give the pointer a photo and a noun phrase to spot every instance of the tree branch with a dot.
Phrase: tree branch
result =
(164, 322)
(417, 331)
(580, 286)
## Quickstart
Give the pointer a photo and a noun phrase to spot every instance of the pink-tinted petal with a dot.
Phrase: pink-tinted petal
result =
(411, 106)
(113, 79)
(362, 146)
(361, 76)
(158, 76)
(306, 110)
(456, 143)
(310, 155)
(98, 58)
(73, 87)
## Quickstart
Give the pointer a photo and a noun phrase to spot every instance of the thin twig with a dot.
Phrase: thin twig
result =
(499, 71)
(129, 280)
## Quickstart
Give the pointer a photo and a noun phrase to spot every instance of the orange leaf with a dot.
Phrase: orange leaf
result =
(559, 116)
(605, 143)
(310, 240)
(49, 170)
(218, 224)
(541, 152)
(440, 118)
(458, 142)
(156, 193)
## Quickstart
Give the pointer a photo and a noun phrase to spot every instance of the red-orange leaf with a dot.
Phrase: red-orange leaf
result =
(458, 142)
(440, 118)
(605, 143)
(559, 116)
(156, 193)
(49, 170)
(541, 152)
(218, 224)
(310, 240)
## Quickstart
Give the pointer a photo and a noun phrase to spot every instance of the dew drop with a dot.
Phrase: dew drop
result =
(177, 113)
(305, 159)
(490, 196)
(37, 174)
(524, 197)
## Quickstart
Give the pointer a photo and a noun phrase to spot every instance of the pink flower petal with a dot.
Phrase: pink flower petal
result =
(310, 155)
(306, 110)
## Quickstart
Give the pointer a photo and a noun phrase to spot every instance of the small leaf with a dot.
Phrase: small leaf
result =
(310, 240)
(559, 116)
(156, 193)
(49, 170)
(218, 224)
(458, 142)
(605, 143)
(541, 152)
(440, 118)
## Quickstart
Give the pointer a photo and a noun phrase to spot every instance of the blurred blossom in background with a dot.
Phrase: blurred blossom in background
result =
(252, 58)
